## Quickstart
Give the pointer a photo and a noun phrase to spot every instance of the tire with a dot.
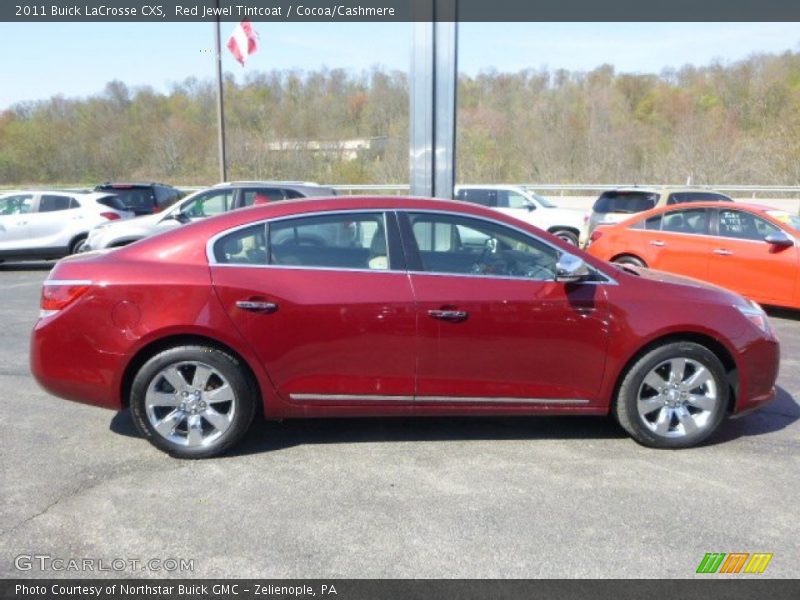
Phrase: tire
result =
(567, 236)
(76, 245)
(627, 259)
(687, 410)
(192, 401)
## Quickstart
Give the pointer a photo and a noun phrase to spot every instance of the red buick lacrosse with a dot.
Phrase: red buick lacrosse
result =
(387, 306)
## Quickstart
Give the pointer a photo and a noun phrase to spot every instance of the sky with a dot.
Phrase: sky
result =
(41, 60)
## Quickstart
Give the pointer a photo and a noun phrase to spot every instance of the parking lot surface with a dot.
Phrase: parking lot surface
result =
(471, 497)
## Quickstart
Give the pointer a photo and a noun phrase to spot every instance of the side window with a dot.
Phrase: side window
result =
(292, 194)
(694, 220)
(515, 200)
(461, 245)
(16, 205)
(49, 203)
(243, 247)
(346, 241)
(679, 197)
(743, 226)
(208, 205)
(482, 197)
(261, 196)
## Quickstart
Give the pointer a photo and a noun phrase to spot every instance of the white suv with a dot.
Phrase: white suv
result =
(37, 225)
(526, 205)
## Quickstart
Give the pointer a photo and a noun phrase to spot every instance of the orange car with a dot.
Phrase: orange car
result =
(750, 249)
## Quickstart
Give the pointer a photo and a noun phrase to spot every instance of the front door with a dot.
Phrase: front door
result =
(494, 326)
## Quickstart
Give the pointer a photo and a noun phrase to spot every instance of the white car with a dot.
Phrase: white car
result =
(43, 225)
(205, 203)
(523, 203)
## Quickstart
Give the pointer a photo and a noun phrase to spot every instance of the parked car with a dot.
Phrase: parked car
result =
(143, 198)
(747, 248)
(523, 203)
(200, 328)
(614, 206)
(205, 203)
(42, 224)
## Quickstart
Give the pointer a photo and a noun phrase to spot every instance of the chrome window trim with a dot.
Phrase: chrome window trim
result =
(213, 262)
(212, 259)
(305, 397)
(609, 280)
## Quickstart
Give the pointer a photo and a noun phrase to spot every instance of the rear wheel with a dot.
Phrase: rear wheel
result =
(627, 259)
(673, 397)
(77, 245)
(192, 401)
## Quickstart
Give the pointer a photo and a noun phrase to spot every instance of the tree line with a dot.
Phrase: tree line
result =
(733, 123)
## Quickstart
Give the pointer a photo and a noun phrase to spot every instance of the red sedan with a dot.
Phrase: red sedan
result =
(376, 306)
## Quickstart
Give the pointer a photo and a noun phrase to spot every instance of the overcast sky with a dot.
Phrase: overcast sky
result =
(77, 59)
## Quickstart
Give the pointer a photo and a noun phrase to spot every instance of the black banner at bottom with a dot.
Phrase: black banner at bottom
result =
(401, 589)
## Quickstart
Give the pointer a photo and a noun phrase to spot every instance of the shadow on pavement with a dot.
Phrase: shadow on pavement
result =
(27, 266)
(265, 436)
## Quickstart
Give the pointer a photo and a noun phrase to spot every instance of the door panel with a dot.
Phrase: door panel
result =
(677, 241)
(14, 215)
(519, 339)
(742, 261)
(494, 326)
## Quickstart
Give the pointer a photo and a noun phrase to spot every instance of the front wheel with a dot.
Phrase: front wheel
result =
(567, 236)
(674, 396)
(629, 260)
(192, 401)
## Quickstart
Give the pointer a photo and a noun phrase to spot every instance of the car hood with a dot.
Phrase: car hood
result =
(678, 280)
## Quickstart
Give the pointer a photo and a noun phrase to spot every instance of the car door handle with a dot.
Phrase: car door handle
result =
(448, 315)
(657, 243)
(722, 252)
(257, 306)
(21, 223)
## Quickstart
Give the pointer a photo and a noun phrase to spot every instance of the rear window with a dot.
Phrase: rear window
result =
(625, 202)
(112, 202)
(682, 197)
(136, 199)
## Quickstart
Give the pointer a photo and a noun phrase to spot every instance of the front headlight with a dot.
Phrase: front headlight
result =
(755, 314)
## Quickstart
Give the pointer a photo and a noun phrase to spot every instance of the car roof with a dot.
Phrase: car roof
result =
(664, 189)
(747, 206)
(271, 183)
(130, 184)
(491, 186)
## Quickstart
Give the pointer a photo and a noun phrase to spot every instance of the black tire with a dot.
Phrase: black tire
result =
(225, 370)
(627, 259)
(76, 245)
(567, 236)
(641, 427)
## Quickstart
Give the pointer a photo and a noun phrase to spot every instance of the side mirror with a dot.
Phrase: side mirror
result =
(180, 217)
(530, 207)
(571, 268)
(780, 239)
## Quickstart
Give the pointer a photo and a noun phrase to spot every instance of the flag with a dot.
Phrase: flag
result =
(243, 41)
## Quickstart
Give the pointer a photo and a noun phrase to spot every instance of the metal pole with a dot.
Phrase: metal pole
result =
(223, 176)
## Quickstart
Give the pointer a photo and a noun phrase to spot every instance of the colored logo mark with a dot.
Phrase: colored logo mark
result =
(735, 562)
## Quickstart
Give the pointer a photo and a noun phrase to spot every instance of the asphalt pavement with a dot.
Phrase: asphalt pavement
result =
(402, 498)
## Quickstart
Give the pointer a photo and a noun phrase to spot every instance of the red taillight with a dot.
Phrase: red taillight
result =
(596, 235)
(58, 294)
(111, 216)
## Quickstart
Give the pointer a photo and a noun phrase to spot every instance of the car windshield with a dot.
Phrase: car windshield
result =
(789, 219)
(625, 202)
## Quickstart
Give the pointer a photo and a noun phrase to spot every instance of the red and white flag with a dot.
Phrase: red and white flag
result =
(243, 41)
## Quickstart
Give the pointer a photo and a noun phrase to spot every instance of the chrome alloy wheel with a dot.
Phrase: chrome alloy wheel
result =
(190, 404)
(677, 398)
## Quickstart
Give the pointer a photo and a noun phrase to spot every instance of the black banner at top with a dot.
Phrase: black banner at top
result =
(397, 10)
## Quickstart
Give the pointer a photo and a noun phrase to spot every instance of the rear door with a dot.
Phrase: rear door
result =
(678, 241)
(50, 224)
(326, 304)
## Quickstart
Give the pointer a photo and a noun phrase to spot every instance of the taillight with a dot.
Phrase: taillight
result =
(111, 216)
(596, 235)
(60, 293)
